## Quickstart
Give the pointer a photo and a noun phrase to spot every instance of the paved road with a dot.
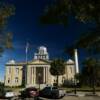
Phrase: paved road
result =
(77, 98)
(80, 98)
(69, 98)
(66, 98)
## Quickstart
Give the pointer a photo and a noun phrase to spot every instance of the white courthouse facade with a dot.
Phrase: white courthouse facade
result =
(36, 71)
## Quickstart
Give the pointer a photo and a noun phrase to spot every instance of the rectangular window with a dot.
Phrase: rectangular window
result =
(16, 79)
(17, 70)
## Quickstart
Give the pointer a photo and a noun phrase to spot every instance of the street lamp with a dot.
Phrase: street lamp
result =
(75, 84)
(93, 83)
(39, 77)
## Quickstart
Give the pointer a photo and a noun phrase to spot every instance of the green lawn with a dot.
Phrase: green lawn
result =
(87, 89)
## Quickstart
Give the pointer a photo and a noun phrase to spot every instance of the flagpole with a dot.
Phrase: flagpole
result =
(26, 72)
(26, 63)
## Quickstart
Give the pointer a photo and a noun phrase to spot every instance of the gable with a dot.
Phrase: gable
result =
(39, 62)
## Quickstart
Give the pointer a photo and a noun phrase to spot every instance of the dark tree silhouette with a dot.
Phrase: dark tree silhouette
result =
(6, 11)
(58, 12)
(57, 68)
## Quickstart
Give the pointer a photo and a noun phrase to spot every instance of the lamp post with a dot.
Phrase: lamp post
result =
(75, 91)
(39, 77)
(93, 83)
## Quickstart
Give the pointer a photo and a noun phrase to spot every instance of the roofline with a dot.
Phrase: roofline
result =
(30, 63)
(16, 64)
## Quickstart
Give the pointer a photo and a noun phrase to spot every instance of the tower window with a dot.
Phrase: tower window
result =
(9, 80)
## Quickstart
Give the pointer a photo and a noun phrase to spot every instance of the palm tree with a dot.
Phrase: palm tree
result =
(57, 68)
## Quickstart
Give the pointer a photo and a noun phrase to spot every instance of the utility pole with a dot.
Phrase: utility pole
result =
(93, 80)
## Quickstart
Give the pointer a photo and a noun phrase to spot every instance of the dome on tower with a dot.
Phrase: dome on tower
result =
(42, 48)
(70, 61)
(11, 62)
(41, 53)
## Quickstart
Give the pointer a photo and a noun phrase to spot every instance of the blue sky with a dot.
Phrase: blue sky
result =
(25, 26)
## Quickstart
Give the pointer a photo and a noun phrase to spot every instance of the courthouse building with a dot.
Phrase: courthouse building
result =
(36, 71)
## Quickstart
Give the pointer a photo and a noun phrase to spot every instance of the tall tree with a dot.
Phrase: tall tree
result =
(6, 11)
(91, 72)
(57, 68)
(2, 90)
(91, 66)
(84, 10)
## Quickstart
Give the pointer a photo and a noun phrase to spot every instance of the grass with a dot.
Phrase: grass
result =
(82, 89)
(13, 88)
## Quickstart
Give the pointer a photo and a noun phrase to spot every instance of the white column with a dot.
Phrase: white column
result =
(46, 75)
(31, 75)
(43, 74)
(76, 61)
(34, 75)
(28, 75)
(49, 76)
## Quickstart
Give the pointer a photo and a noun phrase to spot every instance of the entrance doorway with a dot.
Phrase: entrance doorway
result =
(39, 75)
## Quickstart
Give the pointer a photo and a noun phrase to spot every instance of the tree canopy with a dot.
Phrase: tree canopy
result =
(58, 11)
(83, 10)
(57, 68)
(91, 72)
(6, 11)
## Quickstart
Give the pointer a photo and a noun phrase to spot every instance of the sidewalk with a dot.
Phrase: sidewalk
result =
(78, 96)
(73, 97)
(82, 94)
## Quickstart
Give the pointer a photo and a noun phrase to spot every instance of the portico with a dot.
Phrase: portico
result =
(38, 72)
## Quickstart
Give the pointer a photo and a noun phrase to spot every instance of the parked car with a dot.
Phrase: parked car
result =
(29, 92)
(9, 94)
(52, 92)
